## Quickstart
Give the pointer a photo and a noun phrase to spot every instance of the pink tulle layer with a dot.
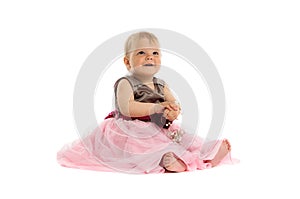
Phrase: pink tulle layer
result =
(135, 147)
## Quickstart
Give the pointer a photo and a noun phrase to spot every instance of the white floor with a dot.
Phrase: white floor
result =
(254, 45)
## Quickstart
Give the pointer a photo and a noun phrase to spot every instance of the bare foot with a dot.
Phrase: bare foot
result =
(171, 163)
(224, 149)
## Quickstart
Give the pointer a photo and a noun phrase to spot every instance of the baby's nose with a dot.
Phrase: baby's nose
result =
(149, 57)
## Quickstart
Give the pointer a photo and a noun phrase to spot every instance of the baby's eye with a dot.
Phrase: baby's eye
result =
(155, 53)
(141, 53)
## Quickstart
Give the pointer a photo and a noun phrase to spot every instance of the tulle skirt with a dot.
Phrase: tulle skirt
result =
(136, 147)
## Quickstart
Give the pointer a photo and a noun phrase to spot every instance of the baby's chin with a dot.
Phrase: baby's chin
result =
(147, 70)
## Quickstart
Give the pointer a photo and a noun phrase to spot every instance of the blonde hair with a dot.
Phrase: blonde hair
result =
(132, 39)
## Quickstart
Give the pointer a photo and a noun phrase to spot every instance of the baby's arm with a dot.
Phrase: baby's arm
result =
(131, 108)
(173, 110)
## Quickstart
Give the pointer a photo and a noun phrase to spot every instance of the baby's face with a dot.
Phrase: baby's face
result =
(145, 58)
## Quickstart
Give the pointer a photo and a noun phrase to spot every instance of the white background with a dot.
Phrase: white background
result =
(254, 45)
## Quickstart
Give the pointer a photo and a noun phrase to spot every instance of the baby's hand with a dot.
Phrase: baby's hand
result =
(172, 110)
(171, 114)
(171, 106)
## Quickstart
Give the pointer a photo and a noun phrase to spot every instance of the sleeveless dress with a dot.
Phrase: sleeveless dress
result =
(136, 145)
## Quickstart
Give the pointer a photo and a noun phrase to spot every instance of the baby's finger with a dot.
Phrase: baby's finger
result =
(175, 107)
(166, 112)
(171, 115)
(169, 107)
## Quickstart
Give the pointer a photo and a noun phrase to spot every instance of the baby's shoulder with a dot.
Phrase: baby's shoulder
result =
(126, 80)
(122, 81)
(159, 81)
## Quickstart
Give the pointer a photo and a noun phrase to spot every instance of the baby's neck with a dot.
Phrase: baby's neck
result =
(144, 79)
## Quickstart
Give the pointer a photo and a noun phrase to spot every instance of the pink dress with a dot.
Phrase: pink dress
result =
(137, 145)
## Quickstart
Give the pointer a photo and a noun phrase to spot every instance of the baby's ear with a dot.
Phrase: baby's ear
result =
(127, 63)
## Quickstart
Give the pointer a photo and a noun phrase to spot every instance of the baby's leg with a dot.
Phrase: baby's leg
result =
(171, 163)
(224, 149)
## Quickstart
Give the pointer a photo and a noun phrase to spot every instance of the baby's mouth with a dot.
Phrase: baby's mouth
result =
(148, 64)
